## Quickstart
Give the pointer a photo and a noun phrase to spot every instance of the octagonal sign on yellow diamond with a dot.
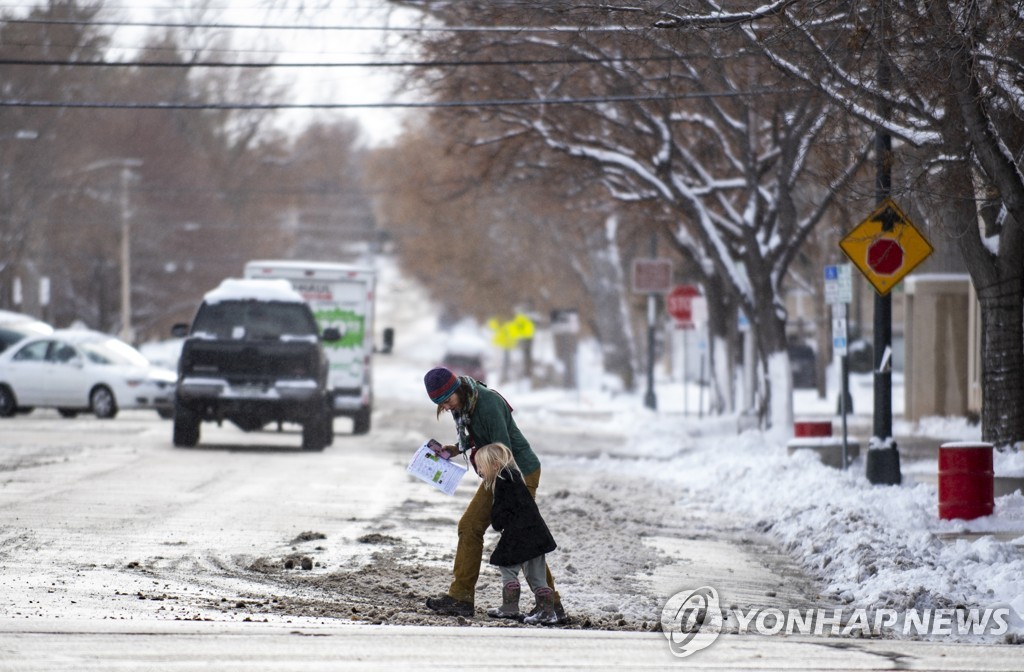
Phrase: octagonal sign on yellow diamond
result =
(886, 246)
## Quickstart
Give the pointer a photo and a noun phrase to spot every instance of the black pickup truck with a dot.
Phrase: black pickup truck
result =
(254, 356)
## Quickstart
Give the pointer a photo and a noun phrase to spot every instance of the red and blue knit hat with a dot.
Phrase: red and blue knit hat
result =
(440, 383)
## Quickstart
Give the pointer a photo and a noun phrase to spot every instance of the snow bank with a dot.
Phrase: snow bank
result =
(875, 546)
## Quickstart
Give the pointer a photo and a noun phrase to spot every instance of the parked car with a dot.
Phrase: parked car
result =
(79, 370)
(464, 355)
(463, 364)
(16, 326)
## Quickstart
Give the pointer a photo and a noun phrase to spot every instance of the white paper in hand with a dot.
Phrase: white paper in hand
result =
(443, 474)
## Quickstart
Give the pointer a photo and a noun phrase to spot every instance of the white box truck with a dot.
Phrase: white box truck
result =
(341, 296)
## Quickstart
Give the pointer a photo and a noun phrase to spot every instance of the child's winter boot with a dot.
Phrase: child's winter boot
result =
(509, 602)
(544, 612)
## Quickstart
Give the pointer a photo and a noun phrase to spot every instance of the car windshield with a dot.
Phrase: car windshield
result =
(254, 319)
(455, 361)
(113, 351)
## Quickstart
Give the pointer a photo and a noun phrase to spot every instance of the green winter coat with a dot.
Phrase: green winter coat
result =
(490, 421)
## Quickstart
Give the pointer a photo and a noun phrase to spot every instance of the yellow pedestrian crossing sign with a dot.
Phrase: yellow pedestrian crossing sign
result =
(886, 246)
(508, 334)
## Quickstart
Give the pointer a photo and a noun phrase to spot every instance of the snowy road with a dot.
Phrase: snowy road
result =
(121, 552)
(105, 520)
(260, 648)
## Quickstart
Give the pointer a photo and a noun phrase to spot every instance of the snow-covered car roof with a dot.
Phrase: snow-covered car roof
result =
(96, 341)
(236, 289)
(16, 326)
(11, 317)
(466, 343)
(75, 335)
(80, 336)
(321, 266)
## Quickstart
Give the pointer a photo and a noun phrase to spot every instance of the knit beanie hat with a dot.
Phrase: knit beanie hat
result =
(440, 383)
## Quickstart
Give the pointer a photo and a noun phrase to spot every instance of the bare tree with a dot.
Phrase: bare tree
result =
(953, 93)
(206, 189)
(696, 127)
(489, 239)
(28, 149)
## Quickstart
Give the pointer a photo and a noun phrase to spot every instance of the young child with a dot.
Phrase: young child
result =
(525, 537)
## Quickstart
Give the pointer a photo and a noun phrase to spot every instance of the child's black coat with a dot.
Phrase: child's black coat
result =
(524, 535)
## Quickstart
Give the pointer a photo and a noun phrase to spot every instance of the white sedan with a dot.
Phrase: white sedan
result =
(77, 370)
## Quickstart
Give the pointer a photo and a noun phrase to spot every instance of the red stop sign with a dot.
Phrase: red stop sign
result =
(885, 256)
(679, 302)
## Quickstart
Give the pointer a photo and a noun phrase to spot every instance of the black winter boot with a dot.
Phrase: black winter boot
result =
(563, 618)
(509, 602)
(449, 606)
(544, 612)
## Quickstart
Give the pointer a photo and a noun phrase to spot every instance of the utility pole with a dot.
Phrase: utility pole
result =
(127, 331)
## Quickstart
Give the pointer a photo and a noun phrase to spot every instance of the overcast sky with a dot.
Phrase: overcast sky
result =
(348, 85)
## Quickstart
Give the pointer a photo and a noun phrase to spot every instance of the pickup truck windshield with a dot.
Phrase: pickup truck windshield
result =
(254, 320)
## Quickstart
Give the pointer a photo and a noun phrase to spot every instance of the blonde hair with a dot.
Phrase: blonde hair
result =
(491, 459)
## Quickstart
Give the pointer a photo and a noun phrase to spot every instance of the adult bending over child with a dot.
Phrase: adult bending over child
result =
(482, 416)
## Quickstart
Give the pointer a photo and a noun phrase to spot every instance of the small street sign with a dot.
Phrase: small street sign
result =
(839, 284)
(508, 334)
(565, 321)
(652, 276)
(886, 246)
(839, 336)
(679, 304)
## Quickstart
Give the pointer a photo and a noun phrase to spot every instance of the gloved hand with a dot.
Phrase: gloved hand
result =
(447, 452)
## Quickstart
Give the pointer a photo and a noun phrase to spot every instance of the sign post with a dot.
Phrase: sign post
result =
(839, 293)
(565, 327)
(886, 246)
(651, 276)
(509, 334)
(680, 305)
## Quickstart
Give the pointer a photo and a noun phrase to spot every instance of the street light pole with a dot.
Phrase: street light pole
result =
(127, 332)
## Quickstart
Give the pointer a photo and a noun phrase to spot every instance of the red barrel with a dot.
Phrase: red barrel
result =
(812, 428)
(965, 480)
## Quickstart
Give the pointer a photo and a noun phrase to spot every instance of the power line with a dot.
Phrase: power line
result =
(336, 64)
(336, 27)
(523, 102)
(136, 5)
(144, 48)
